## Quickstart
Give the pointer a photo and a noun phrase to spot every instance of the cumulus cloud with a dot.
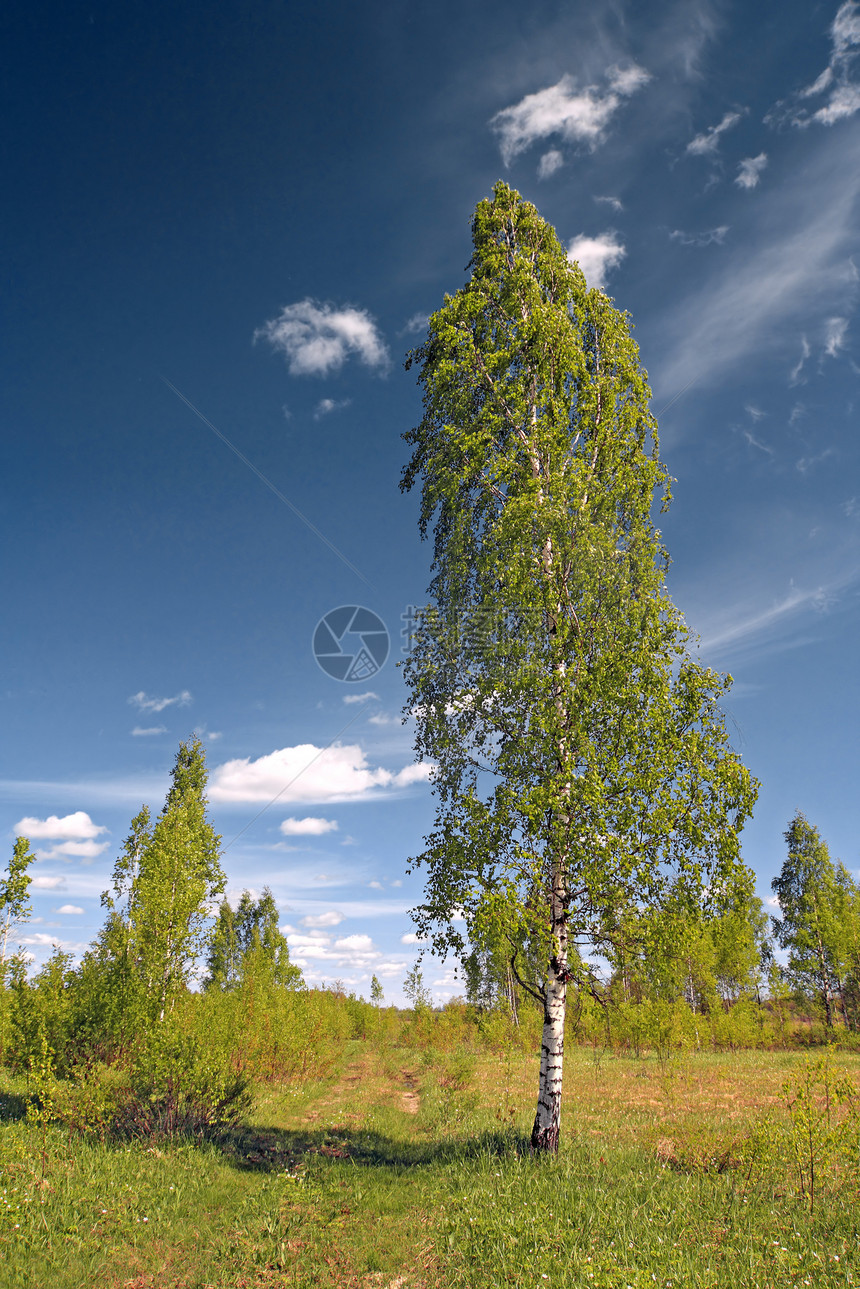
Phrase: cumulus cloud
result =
(707, 143)
(841, 93)
(711, 237)
(69, 850)
(347, 953)
(328, 405)
(596, 256)
(749, 171)
(316, 338)
(562, 110)
(74, 827)
(309, 827)
(412, 938)
(69, 908)
(144, 703)
(317, 920)
(46, 883)
(307, 773)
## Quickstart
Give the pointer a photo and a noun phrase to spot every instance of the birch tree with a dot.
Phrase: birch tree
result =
(581, 758)
(813, 925)
(168, 876)
(15, 904)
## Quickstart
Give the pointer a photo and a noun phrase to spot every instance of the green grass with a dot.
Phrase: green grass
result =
(407, 1169)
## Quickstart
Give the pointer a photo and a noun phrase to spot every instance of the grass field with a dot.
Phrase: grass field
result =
(409, 1169)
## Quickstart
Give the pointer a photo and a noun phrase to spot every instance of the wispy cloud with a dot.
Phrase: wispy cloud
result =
(711, 237)
(743, 626)
(579, 116)
(840, 94)
(596, 256)
(805, 351)
(149, 731)
(351, 699)
(834, 338)
(612, 202)
(415, 325)
(144, 703)
(749, 171)
(549, 163)
(328, 405)
(794, 270)
(316, 338)
(707, 143)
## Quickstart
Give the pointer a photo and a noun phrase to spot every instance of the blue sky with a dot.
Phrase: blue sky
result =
(227, 226)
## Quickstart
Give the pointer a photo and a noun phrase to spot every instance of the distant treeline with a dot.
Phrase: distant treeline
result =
(124, 1042)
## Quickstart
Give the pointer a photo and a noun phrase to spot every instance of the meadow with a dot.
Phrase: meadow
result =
(407, 1166)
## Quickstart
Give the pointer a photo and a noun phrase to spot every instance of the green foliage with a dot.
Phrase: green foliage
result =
(581, 756)
(415, 991)
(820, 919)
(246, 941)
(15, 904)
(165, 879)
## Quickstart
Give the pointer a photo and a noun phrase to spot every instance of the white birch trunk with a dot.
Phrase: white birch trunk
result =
(547, 1125)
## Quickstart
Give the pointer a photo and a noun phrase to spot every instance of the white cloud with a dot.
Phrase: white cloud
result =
(307, 773)
(74, 827)
(69, 908)
(146, 704)
(140, 732)
(376, 886)
(612, 202)
(805, 351)
(328, 405)
(317, 338)
(45, 883)
(707, 143)
(834, 339)
(309, 827)
(332, 918)
(596, 256)
(749, 171)
(349, 699)
(743, 624)
(550, 162)
(712, 237)
(362, 942)
(843, 94)
(412, 938)
(789, 271)
(380, 718)
(68, 850)
(577, 116)
(416, 324)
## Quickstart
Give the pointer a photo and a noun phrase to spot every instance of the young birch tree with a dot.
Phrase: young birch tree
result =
(582, 762)
(168, 875)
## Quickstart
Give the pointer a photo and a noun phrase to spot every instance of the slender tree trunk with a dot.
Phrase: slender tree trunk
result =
(547, 1124)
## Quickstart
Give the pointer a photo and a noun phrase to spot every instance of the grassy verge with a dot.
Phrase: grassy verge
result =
(409, 1169)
